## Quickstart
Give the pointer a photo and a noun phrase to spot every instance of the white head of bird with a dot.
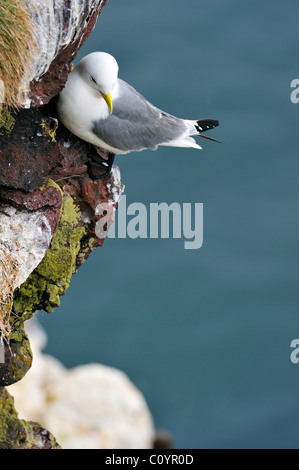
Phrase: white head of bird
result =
(99, 70)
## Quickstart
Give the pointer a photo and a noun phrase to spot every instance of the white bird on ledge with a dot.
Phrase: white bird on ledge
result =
(104, 110)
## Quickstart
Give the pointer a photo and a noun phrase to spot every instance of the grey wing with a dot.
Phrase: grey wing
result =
(136, 124)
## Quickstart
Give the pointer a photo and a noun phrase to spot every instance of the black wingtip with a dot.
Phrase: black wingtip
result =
(204, 125)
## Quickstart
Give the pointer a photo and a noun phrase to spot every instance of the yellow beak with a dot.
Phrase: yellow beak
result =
(108, 100)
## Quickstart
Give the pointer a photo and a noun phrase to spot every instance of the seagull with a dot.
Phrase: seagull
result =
(105, 111)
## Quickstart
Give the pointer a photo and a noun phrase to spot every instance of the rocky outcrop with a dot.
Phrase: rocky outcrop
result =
(48, 198)
(88, 407)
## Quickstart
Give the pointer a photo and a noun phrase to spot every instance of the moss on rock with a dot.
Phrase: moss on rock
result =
(18, 357)
(7, 122)
(51, 278)
(17, 433)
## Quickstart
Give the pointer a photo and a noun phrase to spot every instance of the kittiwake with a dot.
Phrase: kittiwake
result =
(105, 111)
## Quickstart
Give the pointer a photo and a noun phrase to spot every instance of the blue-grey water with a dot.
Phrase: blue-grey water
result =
(205, 334)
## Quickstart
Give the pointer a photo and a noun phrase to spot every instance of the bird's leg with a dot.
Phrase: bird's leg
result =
(100, 163)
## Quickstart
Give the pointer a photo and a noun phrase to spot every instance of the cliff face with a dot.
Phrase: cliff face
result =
(48, 197)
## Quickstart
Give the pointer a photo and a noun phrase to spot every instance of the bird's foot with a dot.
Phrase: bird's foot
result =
(100, 166)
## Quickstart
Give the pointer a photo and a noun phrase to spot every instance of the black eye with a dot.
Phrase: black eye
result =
(92, 79)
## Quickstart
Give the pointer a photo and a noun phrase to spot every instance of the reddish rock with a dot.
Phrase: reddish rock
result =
(38, 146)
(28, 151)
(47, 198)
(44, 197)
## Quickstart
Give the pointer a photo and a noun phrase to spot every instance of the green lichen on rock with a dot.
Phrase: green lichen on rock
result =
(17, 433)
(7, 122)
(49, 126)
(50, 280)
(18, 357)
(87, 247)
